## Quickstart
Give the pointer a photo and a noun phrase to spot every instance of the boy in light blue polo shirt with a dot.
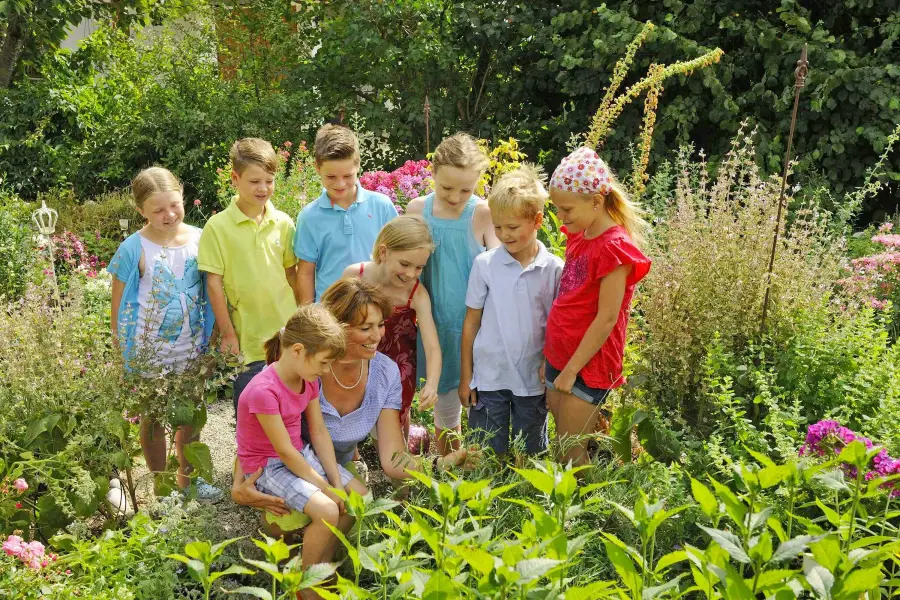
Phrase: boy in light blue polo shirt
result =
(511, 289)
(339, 227)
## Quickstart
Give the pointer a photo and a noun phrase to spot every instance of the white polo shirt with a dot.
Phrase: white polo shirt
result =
(515, 302)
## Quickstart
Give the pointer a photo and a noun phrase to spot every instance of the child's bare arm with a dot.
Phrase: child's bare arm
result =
(291, 275)
(421, 302)
(484, 226)
(471, 325)
(321, 441)
(118, 288)
(228, 341)
(609, 302)
(306, 282)
(415, 207)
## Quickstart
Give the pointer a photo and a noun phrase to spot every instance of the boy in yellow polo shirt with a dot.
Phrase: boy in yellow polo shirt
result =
(247, 253)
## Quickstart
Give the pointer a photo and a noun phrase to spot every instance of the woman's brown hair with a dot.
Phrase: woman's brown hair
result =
(349, 300)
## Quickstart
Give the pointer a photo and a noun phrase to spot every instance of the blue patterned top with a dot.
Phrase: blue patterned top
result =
(383, 390)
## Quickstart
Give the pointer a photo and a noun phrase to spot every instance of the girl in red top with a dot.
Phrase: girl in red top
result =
(586, 326)
(401, 250)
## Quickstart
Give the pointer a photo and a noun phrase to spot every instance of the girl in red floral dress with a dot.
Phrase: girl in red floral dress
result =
(400, 253)
(586, 326)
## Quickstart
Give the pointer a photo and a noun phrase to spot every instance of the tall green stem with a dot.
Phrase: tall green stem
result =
(790, 507)
(853, 508)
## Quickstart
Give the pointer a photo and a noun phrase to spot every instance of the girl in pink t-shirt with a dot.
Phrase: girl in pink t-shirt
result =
(269, 423)
(586, 325)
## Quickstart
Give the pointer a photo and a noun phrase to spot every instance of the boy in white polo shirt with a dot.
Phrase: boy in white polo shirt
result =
(511, 290)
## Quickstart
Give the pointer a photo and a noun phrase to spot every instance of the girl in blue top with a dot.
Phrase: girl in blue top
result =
(462, 229)
(160, 318)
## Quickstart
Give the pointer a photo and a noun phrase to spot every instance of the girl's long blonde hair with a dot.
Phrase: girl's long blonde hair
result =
(313, 326)
(406, 232)
(626, 212)
(153, 180)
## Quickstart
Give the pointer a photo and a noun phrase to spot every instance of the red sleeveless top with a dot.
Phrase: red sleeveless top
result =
(399, 344)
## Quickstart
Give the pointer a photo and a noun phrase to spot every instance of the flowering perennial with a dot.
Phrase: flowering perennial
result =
(875, 278)
(32, 554)
(827, 438)
(410, 181)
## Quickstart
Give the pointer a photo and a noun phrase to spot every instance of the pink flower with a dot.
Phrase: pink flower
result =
(18, 505)
(197, 202)
(20, 484)
(13, 546)
(288, 144)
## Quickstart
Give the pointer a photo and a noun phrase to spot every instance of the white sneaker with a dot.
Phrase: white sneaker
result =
(207, 492)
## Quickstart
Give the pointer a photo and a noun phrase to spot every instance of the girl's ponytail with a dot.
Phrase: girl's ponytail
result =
(273, 347)
(626, 213)
(312, 326)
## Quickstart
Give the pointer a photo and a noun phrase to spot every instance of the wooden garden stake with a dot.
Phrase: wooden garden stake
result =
(799, 81)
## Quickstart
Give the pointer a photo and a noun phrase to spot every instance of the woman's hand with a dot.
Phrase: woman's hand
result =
(467, 397)
(245, 493)
(428, 396)
(565, 381)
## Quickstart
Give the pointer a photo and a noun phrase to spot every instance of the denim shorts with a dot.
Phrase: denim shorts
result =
(580, 389)
(278, 480)
(495, 411)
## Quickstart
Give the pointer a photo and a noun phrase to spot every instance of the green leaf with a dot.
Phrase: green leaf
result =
(265, 566)
(250, 591)
(594, 591)
(657, 590)
(624, 567)
(708, 503)
(232, 570)
(199, 549)
(540, 480)
(819, 578)
(854, 454)
(199, 456)
(670, 559)
(862, 580)
(439, 587)
(774, 578)
(735, 509)
(535, 568)
(772, 476)
(292, 521)
(729, 542)
(478, 559)
(317, 573)
(793, 547)
(352, 552)
(827, 552)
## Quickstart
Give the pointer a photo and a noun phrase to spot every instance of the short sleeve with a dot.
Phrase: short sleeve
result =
(305, 246)
(122, 262)
(289, 259)
(392, 388)
(209, 254)
(617, 252)
(477, 291)
(261, 400)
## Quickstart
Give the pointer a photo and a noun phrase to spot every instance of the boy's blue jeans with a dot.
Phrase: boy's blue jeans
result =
(500, 416)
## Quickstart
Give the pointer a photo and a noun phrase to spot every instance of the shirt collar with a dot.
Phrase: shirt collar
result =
(325, 202)
(238, 216)
(541, 259)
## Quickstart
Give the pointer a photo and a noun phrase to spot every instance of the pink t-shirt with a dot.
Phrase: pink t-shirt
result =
(266, 394)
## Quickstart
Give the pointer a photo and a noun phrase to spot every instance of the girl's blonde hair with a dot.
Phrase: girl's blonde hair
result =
(151, 181)
(406, 232)
(313, 326)
(349, 301)
(520, 193)
(460, 151)
(626, 212)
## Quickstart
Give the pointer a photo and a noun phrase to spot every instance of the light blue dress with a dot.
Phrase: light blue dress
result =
(446, 277)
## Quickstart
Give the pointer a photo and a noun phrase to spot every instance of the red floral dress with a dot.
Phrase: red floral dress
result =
(399, 344)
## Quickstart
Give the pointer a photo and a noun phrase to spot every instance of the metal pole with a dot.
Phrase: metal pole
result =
(799, 81)
(427, 126)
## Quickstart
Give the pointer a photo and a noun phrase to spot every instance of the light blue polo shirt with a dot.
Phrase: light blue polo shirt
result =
(515, 302)
(335, 238)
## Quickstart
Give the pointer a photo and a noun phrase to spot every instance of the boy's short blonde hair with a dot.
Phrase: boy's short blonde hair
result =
(250, 152)
(151, 181)
(406, 232)
(461, 151)
(336, 142)
(520, 193)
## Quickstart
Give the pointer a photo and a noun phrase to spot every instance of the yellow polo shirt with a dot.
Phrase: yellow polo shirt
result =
(251, 259)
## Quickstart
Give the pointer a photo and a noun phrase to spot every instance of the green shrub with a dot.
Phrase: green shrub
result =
(17, 250)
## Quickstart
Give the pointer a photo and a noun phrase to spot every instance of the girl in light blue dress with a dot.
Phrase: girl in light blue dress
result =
(461, 226)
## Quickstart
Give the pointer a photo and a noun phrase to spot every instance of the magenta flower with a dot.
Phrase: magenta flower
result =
(20, 484)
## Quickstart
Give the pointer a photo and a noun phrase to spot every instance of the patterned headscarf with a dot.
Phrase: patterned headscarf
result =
(582, 172)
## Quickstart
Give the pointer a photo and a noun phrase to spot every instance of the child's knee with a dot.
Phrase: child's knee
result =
(357, 486)
(323, 509)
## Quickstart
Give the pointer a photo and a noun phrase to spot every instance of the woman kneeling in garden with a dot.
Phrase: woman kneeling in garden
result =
(358, 392)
